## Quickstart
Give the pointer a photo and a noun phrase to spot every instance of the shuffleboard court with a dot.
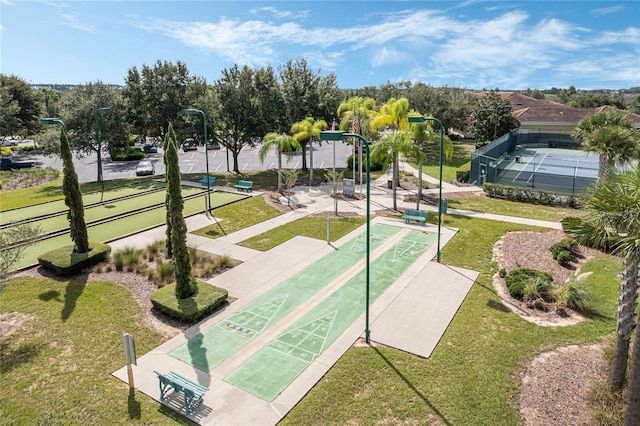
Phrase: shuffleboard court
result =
(128, 225)
(267, 373)
(215, 344)
(110, 209)
(58, 206)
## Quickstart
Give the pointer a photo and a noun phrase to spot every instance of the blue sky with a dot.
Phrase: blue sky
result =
(472, 44)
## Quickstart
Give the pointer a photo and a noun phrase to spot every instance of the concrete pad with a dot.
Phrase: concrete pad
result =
(416, 320)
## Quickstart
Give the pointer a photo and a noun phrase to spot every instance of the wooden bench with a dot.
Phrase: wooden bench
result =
(211, 180)
(417, 215)
(192, 391)
(244, 185)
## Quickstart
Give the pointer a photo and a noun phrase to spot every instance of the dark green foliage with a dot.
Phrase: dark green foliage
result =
(184, 285)
(73, 198)
(563, 251)
(376, 164)
(570, 221)
(191, 309)
(463, 172)
(123, 154)
(528, 195)
(517, 279)
(166, 202)
(65, 262)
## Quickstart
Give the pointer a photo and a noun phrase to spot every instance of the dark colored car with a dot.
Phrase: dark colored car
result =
(189, 145)
(145, 168)
(150, 149)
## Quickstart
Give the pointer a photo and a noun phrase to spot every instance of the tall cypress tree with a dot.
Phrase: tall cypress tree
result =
(181, 260)
(170, 133)
(73, 198)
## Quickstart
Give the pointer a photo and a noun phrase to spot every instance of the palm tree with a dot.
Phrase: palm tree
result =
(613, 222)
(360, 110)
(281, 142)
(610, 135)
(386, 150)
(306, 132)
(420, 137)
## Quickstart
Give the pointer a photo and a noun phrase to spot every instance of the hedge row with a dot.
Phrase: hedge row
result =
(533, 196)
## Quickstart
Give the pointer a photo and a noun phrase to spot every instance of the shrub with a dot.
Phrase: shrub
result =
(517, 279)
(502, 272)
(573, 295)
(536, 292)
(463, 172)
(563, 251)
(64, 262)
(205, 300)
(375, 164)
(528, 195)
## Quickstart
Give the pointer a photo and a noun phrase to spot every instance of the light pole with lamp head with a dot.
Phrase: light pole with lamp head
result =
(337, 135)
(49, 121)
(422, 119)
(98, 138)
(193, 111)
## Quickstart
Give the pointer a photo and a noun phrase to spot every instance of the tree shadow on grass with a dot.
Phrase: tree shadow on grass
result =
(15, 358)
(72, 293)
(412, 387)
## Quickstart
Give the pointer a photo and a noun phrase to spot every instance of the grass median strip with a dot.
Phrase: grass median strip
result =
(273, 368)
(212, 346)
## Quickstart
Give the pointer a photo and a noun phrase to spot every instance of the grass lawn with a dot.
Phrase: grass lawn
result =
(237, 216)
(56, 367)
(472, 376)
(432, 166)
(511, 208)
(313, 227)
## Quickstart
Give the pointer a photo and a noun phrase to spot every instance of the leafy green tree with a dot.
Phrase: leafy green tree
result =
(158, 95)
(182, 264)
(495, 122)
(14, 241)
(613, 222)
(79, 109)
(451, 105)
(306, 132)
(73, 198)
(51, 98)
(281, 143)
(238, 110)
(611, 136)
(364, 108)
(20, 108)
(422, 136)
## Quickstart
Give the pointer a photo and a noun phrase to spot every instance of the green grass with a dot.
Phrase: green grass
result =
(312, 227)
(472, 376)
(511, 208)
(237, 216)
(449, 167)
(56, 367)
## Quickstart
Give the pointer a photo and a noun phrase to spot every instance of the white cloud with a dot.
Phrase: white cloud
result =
(57, 4)
(72, 21)
(280, 14)
(607, 10)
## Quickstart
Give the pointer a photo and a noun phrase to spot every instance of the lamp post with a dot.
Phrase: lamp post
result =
(193, 111)
(477, 118)
(49, 121)
(495, 120)
(98, 137)
(421, 119)
(338, 135)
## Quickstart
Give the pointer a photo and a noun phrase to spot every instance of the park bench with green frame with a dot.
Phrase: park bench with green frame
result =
(244, 185)
(210, 180)
(417, 215)
(192, 391)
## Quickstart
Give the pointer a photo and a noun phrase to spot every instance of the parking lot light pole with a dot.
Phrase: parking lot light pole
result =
(193, 111)
(98, 137)
(422, 119)
(50, 121)
(335, 136)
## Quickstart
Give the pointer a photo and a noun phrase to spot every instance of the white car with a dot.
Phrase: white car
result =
(145, 168)
(8, 142)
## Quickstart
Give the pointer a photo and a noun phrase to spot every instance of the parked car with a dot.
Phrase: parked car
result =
(213, 145)
(145, 168)
(150, 149)
(189, 145)
(7, 163)
(8, 142)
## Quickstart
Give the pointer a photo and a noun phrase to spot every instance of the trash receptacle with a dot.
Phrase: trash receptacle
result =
(390, 184)
(443, 206)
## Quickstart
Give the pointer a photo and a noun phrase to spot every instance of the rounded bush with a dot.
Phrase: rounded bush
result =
(517, 279)
(564, 257)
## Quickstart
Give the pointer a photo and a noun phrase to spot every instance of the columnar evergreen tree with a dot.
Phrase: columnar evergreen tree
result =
(168, 244)
(73, 198)
(181, 260)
